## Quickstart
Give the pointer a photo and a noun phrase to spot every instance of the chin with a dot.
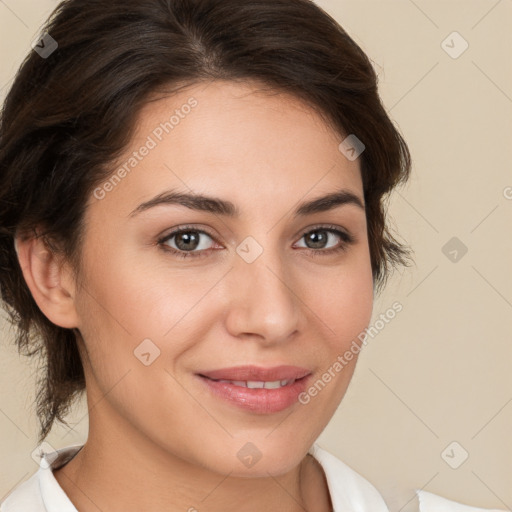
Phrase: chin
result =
(264, 457)
(268, 468)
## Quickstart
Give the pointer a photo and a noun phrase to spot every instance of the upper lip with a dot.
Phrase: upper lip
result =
(257, 373)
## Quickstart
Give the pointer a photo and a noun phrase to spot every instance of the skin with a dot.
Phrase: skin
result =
(158, 440)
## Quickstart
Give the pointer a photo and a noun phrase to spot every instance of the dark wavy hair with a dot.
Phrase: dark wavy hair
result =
(69, 115)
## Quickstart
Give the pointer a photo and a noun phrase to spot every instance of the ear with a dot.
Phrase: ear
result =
(49, 279)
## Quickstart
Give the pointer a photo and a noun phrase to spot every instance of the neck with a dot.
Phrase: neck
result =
(126, 471)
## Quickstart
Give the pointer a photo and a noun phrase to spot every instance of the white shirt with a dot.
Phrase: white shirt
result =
(432, 503)
(348, 490)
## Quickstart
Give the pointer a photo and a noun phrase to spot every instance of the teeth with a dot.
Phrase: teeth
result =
(258, 384)
(273, 385)
(253, 384)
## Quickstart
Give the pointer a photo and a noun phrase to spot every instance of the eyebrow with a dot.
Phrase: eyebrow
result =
(227, 208)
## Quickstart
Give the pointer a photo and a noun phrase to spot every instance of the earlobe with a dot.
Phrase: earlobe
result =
(49, 280)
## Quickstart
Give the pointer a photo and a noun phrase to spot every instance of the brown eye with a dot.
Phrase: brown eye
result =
(318, 238)
(187, 242)
(314, 240)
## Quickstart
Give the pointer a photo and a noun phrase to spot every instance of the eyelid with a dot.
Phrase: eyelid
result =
(329, 227)
(185, 227)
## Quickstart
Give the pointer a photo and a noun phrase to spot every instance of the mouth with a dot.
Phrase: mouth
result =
(250, 373)
(257, 384)
(255, 389)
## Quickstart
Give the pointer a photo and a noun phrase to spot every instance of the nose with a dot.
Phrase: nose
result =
(265, 299)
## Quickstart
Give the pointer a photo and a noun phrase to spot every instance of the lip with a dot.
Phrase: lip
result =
(249, 372)
(259, 400)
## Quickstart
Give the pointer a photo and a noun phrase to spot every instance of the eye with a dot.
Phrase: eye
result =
(186, 240)
(317, 238)
(192, 242)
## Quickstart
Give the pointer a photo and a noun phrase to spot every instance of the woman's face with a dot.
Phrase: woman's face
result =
(260, 286)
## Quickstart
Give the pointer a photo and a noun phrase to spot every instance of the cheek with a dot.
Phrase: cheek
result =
(343, 300)
(342, 304)
(343, 314)
(144, 300)
(130, 310)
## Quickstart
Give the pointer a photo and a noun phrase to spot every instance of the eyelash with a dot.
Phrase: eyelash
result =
(347, 240)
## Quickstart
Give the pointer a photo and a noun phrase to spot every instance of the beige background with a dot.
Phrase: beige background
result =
(439, 372)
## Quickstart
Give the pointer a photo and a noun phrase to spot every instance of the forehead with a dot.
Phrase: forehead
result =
(233, 139)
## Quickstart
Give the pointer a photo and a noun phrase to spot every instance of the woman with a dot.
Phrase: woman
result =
(192, 225)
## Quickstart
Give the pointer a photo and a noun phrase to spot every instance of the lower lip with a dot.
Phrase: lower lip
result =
(259, 400)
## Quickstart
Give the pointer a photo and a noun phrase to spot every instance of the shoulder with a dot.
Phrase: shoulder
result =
(429, 502)
(42, 492)
(348, 489)
(25, 497)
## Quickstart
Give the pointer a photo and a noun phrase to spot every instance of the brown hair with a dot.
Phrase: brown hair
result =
(70, 114)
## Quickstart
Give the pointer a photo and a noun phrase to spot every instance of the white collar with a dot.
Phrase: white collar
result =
(432, 503)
